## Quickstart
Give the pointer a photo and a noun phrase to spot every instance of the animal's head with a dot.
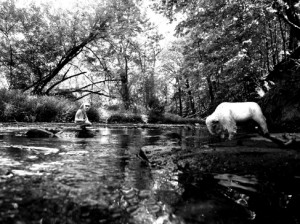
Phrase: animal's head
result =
(213, 125)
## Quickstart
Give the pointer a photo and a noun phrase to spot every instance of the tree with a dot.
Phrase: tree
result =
(171, 63)
(48, 43)
(231, 45)
(116, 56)
(146, 58)
(289, 12)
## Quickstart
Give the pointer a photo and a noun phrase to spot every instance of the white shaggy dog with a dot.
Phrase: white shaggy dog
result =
(224, 118)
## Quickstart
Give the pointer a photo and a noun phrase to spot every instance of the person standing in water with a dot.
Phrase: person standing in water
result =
(81, 117)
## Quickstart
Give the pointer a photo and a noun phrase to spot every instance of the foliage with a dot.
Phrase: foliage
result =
(125, 117)
(228, 48)
(42, 41)
(42, 47)
(169, 118)
(156, 110)
(114, 107)
(17, 106)
(93, 114)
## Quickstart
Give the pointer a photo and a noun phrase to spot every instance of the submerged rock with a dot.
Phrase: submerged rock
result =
(85, 133)
(153, 154)
(39, 133)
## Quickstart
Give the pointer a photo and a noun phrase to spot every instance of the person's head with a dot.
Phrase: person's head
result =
(85, 106)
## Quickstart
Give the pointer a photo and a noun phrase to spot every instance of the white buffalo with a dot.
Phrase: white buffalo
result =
(226, 115)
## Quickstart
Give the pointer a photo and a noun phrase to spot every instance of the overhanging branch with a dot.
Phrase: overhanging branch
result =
(89, 92)
(94, 83)
(62, 80)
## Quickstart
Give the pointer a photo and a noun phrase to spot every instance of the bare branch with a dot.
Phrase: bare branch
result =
(94, 83)
(285, 18)
(89, 92)
(62, 80)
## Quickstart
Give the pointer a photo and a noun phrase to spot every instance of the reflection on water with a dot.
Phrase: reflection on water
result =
(100, 180)
(102, 170)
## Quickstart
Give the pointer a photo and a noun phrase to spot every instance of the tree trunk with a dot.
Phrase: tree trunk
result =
(190, 98)
(210, 89)
(289, 13)
(124, 85)
(282, 32)
(179, 96)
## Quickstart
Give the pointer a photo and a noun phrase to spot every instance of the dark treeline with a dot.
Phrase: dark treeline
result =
(224, 51)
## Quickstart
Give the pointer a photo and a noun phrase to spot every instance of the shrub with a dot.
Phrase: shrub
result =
(18, 106)
(125, 117)
(14, 105)
(68, 113)
(169, 118)
(93, 114)
(47, 109)
(114, 107)
(156, 110)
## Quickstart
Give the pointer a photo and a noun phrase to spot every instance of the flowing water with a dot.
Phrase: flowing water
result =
(101, 180)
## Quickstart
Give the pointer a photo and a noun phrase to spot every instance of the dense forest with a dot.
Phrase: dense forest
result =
(113, 52)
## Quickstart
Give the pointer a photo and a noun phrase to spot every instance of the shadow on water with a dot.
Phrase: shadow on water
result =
(100, 180)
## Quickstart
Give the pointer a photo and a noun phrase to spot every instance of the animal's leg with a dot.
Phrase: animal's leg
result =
(230, 126)
(261, 120)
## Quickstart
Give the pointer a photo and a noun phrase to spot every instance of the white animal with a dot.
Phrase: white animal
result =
(226, 115)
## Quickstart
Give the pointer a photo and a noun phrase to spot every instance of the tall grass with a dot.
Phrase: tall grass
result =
(18, 106)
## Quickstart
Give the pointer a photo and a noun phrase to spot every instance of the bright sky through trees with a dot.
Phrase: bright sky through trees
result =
(163, 25)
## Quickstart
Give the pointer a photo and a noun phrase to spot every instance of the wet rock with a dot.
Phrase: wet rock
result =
(145, 193)
(150, 153)
(35, 149)
(240, 182)
(39, 133)
(85, 133)
(213, 211)
(132, 209)
(154, 209)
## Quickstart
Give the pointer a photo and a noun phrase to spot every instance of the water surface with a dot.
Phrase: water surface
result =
(101, 180)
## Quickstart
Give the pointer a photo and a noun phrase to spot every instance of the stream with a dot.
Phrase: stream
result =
(102, 180)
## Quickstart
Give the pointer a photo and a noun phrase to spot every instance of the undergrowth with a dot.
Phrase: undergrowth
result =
(21, 107)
